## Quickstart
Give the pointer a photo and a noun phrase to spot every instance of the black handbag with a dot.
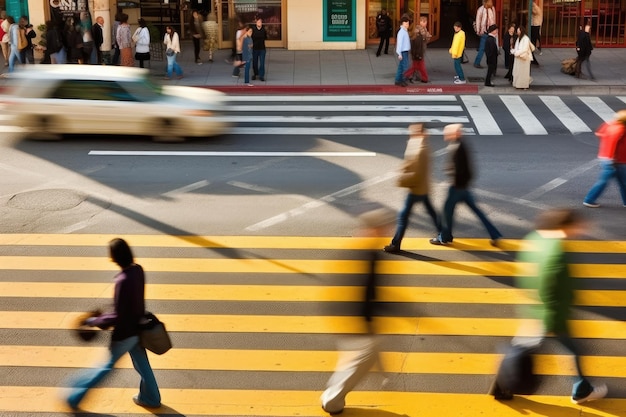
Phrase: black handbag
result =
(153, 335)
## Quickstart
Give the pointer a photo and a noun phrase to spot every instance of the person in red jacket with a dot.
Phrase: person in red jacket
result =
(612, 155)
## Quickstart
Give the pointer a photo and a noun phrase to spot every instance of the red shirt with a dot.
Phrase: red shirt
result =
(609, 134)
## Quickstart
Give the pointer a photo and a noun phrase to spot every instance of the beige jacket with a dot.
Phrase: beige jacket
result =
(416, 167)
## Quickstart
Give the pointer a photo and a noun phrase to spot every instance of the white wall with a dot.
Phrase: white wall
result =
(305, 29)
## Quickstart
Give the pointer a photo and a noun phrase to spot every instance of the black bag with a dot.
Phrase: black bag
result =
(142, 56)
(153, 335)
(515, 375)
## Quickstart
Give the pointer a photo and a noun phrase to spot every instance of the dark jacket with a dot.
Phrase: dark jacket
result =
(384, 25)
(418, 47)
(98, 38)
(258, 38)
(459, 166)
(129, 304)
(491, 50)
(583, 44)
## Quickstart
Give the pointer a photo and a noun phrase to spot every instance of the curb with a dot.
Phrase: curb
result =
(346, 89)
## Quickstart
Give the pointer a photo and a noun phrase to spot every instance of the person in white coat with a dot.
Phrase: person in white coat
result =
(172, 49)
(523, 51)
(142, 43)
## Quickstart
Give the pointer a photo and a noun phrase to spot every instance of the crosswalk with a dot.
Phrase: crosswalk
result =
(255, 322)
(494, 115)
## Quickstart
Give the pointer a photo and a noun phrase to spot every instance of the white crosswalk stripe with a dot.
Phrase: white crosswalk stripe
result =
(523, 115)
(484, 121)
(569, 119)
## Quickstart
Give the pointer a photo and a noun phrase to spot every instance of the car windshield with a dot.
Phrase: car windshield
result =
(135, 90)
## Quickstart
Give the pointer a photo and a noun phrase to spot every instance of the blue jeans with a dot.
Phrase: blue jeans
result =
(608, 170)
(403, 216)
(481, 48)
(15, 54)
(246, 73)
(458, 68)
(148, 388)
(581, 387)
(403, 66)
(173, 65)
(258, 62)
(455, 196)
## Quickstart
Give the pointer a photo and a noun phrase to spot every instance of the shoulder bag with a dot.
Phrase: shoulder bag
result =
(153, 335)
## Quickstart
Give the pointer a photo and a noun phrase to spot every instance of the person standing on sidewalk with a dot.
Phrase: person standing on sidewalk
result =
(384, 27)
(415, 175)
(583, 49)
(508, 43)
(491, 53)
(259, 36)
(535, 27)
(172, 49)
(246, 55)
(419, 40)
(197, 34)
(523, 51)
(545, 273)
(456, 51)
(485, 17)
(129, 310)
(403, 46)
(98, 38)
(612, 156)
(459, 169)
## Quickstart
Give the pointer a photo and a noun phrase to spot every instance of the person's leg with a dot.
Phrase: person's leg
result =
(196, 48)
(236, 69)
(408, 74)
(380, 45)
(170, 65)
(13, 56)
(588, 67)
(386, 44)
(491, 229)
(620, 176)
(5, 53)
(403, 219)
(255, 64)
(93, 377)
(262, 54)
(177, 69)
(607, 171)
(458, 68)
(421, 67)
(246, 73)
(432, 213)
(491, 69)
(481, 50)
(454, 196)
(148, 389)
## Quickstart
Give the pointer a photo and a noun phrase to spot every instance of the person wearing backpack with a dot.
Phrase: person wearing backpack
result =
(384, 27)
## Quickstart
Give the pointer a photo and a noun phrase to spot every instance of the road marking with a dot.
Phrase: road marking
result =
(351, 108)
(343, 119)
(483, 120)
(217, 153)
(599, 107)
(569, 119)
(522, 114)
(333, 131)
(557, 182)
(187, 188)
(298, 211)
(338, 98)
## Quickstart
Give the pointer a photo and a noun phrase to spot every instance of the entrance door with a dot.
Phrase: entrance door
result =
(231, 12)
(397, 8)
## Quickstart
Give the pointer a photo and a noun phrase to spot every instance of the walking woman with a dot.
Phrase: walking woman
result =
(124, 44)
(129, 309)
(523, 51)
(172, 49)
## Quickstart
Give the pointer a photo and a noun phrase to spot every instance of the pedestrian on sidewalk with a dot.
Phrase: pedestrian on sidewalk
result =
(545, 273)
(385, 28)
(360, 352)
(115, 59)
(459, 168)
(259, 36)
(485, 17)
(508, 44)
(129, 310)
(211, 32)
(491, 53)
(535, 26)
(415, 175)
(403, 46)
(197, 34)
(142, 43)
(14, 34)
(456, 51)
(124, 42)
(612, 156)
(523, 51)
(583, 49)
(172, 49)
(419, 39)
(238, 60)
(4, 36)
(98, 38)
(246, 55)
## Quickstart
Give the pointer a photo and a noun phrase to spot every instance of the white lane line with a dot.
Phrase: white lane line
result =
(522, 114)
(332, 131)
(187, 188)
(272, 221)
(599, 107)
(622, 98)
(351, 98)
(510, 199)
(208, 153)
(569, 119)
(483, 120)
(343, 119)
(351, 108)
(557, 182)
(252, 187)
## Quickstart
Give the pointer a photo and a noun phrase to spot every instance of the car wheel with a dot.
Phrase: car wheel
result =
(45, 129)
(168, 130)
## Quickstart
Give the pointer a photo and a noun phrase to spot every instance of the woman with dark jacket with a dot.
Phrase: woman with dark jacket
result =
(128, 312)
(508, 43)
(583, 48)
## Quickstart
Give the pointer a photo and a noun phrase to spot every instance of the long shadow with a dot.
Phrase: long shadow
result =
(369, 412)
(163, 411)
(525, 406)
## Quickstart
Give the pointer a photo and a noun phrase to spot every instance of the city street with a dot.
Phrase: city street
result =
(248, 242)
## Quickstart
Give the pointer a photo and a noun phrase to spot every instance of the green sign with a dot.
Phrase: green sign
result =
(339, 20)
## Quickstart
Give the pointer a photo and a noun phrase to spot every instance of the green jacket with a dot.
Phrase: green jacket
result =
(547, 276)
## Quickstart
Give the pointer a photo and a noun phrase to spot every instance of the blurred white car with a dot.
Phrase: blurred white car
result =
(47, 101)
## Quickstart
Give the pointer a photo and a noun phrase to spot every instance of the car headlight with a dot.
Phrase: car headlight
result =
(199, 113)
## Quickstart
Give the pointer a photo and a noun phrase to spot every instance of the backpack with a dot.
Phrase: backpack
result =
(381, 24)
(515, 375)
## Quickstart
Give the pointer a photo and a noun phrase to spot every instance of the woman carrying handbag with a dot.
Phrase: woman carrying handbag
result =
(142, 43)
(172, 49)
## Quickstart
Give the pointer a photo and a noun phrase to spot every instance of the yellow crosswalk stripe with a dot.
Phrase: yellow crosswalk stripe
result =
(275, 403)
(458, 363)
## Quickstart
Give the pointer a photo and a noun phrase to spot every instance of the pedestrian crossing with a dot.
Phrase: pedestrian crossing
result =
(492, 115)
(255, 321)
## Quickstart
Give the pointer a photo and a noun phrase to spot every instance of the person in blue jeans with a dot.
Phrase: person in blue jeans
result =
(259, 36)
(403, 47)
(459, 169)
(172, 44)
(129, 310)
(246, 55)
(14, 33)
(485, 17)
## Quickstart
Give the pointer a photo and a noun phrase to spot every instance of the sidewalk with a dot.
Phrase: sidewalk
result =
(361, 72)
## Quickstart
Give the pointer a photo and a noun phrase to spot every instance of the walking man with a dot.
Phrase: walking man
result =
(612, 156)
(459, 169)
(403, 46)
(98, 38)
(485, 17)
(384, 27)
(456, 51)
(415, 175)
(491, 52)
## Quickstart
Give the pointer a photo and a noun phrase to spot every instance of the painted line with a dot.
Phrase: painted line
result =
(235, 323)
(339, 98)
(431, 108)
(334, 131)
(483, 120)
(599, 107)
(557, 182)
(511, 199)
(287, 403)
(569, 119)
(298, 211)
(216, 153)
(247, 119)
(187, 188)
(524, 117)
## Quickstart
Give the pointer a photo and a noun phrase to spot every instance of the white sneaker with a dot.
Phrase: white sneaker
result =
(598, 392)
(591, 205)
(460, 81)
(456, 77)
